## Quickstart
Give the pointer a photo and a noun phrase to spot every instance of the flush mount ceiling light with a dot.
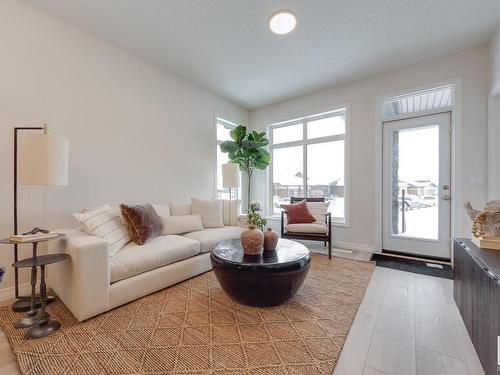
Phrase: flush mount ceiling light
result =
(282, 22)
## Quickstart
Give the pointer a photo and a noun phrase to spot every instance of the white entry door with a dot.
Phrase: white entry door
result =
(416, 186)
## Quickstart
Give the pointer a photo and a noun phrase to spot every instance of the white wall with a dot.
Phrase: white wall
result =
(471, 66)
(493, 148)
(137, 133)
(495, 63)
(494, 119)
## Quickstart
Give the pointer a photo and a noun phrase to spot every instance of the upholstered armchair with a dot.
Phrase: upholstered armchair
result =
(316, 231)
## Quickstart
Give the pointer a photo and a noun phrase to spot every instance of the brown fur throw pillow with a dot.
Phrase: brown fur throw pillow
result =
(143, 223)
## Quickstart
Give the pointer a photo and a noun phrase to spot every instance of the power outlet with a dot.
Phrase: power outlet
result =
(476, 179)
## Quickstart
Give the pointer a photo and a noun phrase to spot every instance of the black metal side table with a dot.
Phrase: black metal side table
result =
(38, 319)
(23, 303)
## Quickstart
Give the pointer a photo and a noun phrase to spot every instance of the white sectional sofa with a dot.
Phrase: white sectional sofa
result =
(92, 282)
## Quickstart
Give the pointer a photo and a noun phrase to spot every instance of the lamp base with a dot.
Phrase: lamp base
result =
(31, 319)
(43, 329)
(23, 304)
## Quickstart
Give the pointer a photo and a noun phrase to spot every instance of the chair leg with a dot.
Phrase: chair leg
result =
(330, 249)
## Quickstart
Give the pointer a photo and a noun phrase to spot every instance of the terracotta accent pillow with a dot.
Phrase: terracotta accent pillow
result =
(298, 213)
(143, 223)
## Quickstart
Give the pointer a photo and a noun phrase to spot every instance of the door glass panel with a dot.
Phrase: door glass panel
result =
(288, 178)
(415, 182)
(288, 133)
(325, 172)
(326, 127)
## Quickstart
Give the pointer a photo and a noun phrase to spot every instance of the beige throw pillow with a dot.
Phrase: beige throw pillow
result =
(180, 209)
(210, 211)
(182, 224)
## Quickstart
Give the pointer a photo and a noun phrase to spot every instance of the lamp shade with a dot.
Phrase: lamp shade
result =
(230, 175)
(43, 160)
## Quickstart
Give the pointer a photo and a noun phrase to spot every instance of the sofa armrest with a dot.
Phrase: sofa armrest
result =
(328, 222)
(283, 222)
(82, 282)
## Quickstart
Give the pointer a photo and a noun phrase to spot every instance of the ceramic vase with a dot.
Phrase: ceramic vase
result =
(252, 240)
(270, 239)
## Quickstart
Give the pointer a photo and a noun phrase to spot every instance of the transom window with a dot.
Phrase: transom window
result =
(437, 98)
(308, 160)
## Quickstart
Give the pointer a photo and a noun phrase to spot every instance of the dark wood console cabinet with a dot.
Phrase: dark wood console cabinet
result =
(476, 289)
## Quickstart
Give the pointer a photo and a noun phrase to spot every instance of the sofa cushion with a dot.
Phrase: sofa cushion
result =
(133, 259)
(210, 237)
(306, 228)
(210, 211)
(163, 210)
(180, 208)
(182, 224)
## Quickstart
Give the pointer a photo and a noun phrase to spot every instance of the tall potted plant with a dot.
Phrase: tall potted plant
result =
(248, 150)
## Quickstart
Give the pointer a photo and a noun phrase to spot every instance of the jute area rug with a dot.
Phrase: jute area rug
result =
(194, 328)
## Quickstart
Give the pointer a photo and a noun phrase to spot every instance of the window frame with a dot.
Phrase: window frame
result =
(232, 125)
(304, 142)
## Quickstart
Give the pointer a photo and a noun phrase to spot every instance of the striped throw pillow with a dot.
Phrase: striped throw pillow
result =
(318, 210)
(230, 210)
(105, 222)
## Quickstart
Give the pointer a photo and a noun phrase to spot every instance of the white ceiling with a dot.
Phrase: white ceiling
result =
(227, 47)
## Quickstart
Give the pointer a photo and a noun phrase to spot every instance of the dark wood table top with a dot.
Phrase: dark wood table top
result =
(287, 253)
(8, 241)
(40, 260)
(489, 257)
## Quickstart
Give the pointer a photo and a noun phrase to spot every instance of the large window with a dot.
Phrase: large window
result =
(223, 129)
(308, 160)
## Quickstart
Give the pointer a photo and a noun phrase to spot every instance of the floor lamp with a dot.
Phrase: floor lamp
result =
(39, 159)
(230, 176)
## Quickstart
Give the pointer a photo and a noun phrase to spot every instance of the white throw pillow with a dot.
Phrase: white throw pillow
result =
(182, 224)
(162, 210)
(106, 223)
(230, 210)
(210, 211)
(179, 209)
(318, 210)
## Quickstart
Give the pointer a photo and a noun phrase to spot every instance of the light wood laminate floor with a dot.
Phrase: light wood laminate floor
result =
(406, 324)
(8, 364)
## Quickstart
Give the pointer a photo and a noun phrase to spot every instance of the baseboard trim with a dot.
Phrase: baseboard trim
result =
(9, 292)
(354, 246)
(339, 245)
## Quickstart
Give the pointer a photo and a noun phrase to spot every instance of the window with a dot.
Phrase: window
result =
(223, 129)
(308, 160)
(421, 101)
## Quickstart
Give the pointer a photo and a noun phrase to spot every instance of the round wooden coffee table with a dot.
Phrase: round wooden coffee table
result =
(268, 279)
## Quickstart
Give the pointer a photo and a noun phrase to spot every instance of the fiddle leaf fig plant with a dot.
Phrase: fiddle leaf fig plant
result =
(248, 150)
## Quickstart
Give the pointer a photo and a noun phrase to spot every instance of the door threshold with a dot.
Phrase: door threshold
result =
(422, 258)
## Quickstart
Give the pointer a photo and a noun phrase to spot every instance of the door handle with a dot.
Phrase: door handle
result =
(490, 274)
(446, 197)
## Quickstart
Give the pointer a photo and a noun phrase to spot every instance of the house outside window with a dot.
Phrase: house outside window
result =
(308, 159)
